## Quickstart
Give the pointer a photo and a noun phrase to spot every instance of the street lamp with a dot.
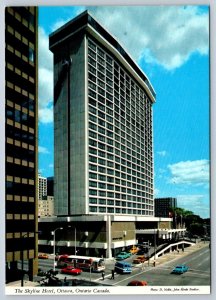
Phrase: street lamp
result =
(75, 240)
(54, 231)
(22, 256)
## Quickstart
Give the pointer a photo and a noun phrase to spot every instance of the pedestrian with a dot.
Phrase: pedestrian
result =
(113, 274)
(103, 275)
(154, 263)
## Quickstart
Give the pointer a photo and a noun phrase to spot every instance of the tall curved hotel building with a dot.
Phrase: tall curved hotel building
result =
(103, 125)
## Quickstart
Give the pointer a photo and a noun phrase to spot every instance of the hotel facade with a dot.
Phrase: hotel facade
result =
(103, 124)
(103, 140)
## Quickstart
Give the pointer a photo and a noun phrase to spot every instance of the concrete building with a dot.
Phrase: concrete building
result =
(21, 137)
(42, 187)
(164, 206)
(103, 142)
(46, 207)
(103, 124)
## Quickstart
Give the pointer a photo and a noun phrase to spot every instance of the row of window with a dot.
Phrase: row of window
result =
(135, 121)
(147, 175)
(119, 142)
(132, 120)
(134, 170)
(103, 193)
(102, 119)
(97, 54)
(106, 150)
(131, 181)
(102, 209)
(135, 189)
(141, 202)
(126, 130)
(100, 85)
(120, 157)
(21, 189)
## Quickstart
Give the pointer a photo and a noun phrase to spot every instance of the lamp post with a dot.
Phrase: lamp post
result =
(75, 241)
(54, 231)
(22, 256)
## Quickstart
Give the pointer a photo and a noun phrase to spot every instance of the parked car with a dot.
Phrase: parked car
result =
(71, 270)
(140, 259)
(61, 255)
(143, 251)
(137, 283)
(134, 250)
(123, 255)
(43, 256)
(180, 269)
(123, 267)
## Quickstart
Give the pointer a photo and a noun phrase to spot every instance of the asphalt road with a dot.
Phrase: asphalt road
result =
(197, 275)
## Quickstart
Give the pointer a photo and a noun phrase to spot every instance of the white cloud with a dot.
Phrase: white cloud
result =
(166, 35)
(198, 204)
(190, 172)
(45, 87)
(45, 55)
(73, 13)
(156, 192)
(43, 150)
(162, 153)
(45, 76)
(46, 115)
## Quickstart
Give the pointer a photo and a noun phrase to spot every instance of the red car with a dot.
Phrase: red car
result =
(71, 270)
(137, 283)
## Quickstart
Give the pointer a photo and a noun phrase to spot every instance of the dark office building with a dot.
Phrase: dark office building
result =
(50, 186)
(21, 135)
(163, 206)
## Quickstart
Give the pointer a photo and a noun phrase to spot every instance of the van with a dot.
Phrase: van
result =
(123, 267)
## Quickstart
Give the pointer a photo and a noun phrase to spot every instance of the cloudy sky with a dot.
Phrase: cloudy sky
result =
(171, 45)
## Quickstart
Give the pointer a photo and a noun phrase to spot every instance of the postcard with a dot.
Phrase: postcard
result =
(107, 149)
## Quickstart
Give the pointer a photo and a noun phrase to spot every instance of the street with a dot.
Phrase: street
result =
(197, 275)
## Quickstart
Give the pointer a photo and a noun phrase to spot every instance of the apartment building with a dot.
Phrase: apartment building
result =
(46, 207)
(42, 187)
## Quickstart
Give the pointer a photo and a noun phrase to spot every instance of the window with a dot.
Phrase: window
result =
(93, 209)
(92, 192)
(102, 201)
(93, 200)
(92, 175)
(31, 55)
(102, 209)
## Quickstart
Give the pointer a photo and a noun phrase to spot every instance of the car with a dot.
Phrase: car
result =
(123, 267)
(71, 271)
(60, 256)
(43, 256)
(180, 269)
(133, 250)
(139, 259)
(123, 255)
(137, 283)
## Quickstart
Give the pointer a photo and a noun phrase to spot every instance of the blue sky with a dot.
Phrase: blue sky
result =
(171, 45)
